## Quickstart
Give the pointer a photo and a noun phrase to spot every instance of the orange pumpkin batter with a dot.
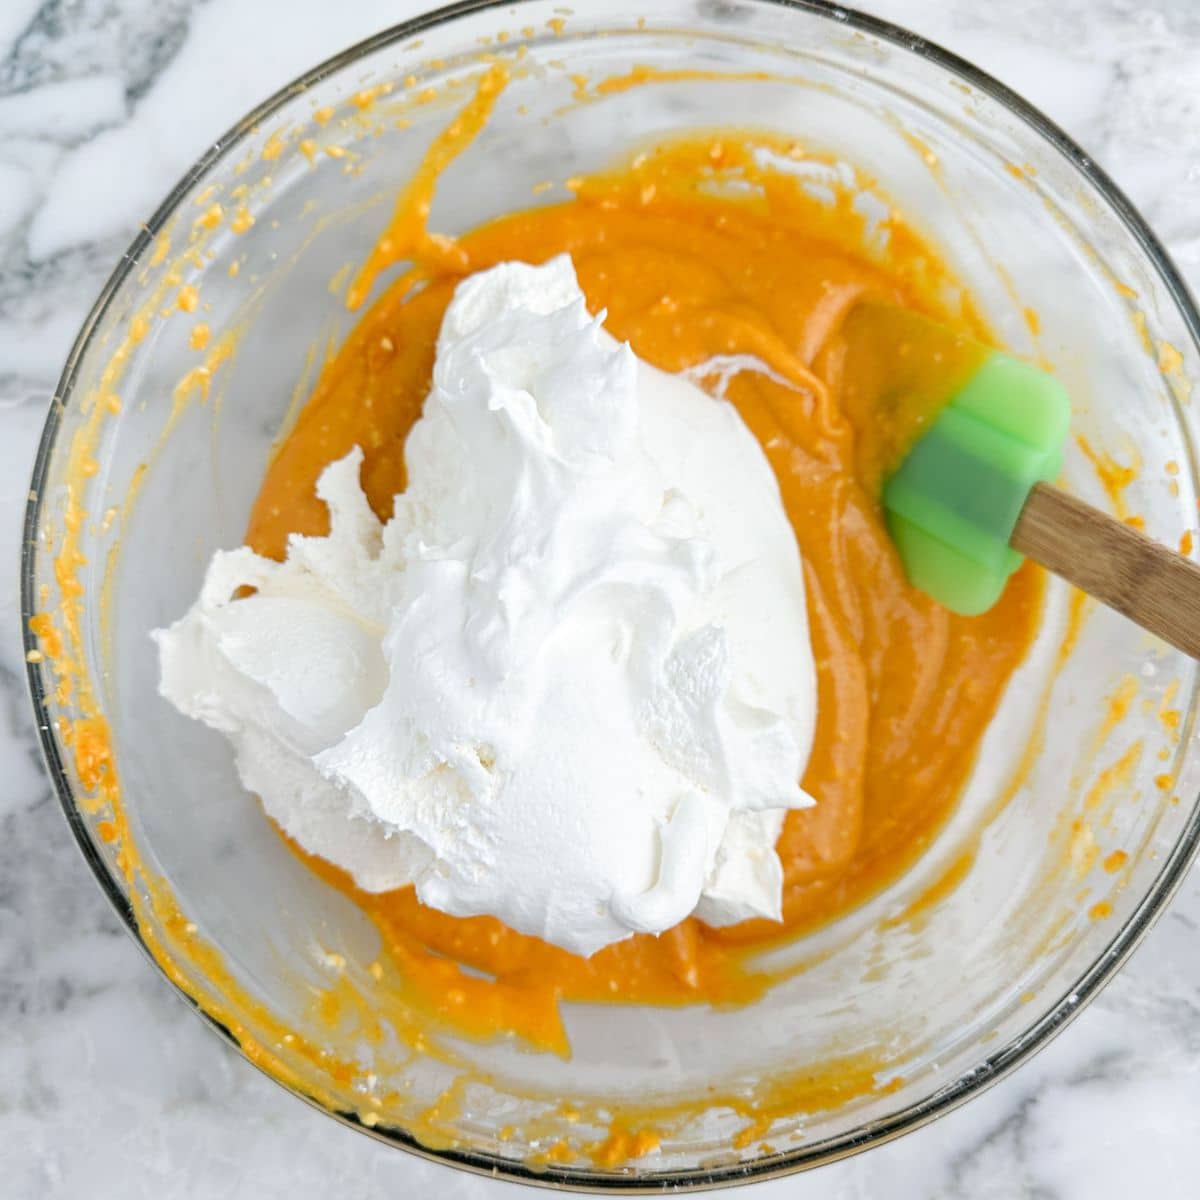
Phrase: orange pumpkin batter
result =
(687, 271)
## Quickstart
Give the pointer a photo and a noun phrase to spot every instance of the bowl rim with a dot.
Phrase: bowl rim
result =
(996, 1066)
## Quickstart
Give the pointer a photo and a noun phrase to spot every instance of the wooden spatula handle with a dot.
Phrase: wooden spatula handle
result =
(1151, 585)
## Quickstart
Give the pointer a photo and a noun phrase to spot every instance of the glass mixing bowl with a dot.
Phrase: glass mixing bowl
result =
(1080, 817)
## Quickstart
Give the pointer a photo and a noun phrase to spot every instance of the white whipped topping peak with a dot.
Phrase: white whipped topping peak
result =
(569, 683)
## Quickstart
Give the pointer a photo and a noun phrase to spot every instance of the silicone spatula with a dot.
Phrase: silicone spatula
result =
(974, 494)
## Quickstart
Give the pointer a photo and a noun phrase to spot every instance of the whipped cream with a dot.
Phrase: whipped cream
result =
(569, 683)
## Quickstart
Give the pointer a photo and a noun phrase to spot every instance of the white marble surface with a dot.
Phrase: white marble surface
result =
(109, 1086)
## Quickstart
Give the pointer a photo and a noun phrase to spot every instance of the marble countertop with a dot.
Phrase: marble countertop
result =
(109, 1086)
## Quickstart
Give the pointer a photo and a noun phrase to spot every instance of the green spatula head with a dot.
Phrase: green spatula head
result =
(954, 501)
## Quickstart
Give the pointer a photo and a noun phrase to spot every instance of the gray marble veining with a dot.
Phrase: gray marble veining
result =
(109, 1087)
